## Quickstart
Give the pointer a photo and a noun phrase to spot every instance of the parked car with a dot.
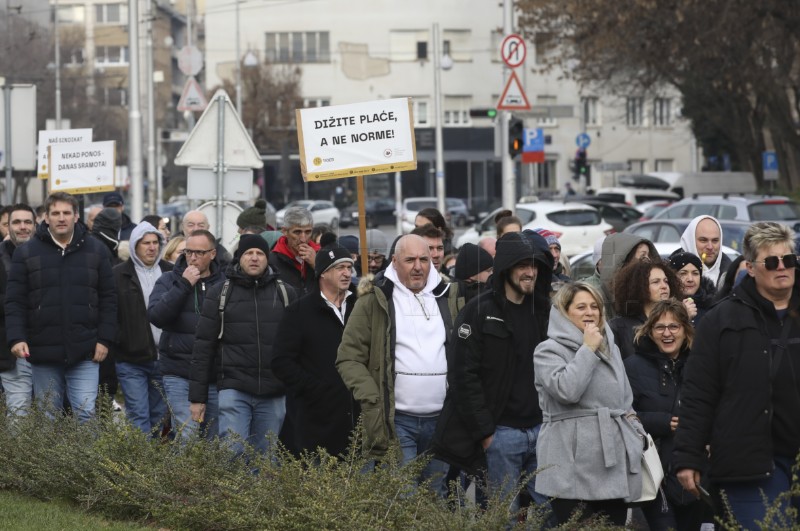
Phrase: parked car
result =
(650, 208)
(379, 211)
(577, 225)
(457, 212)
(619, 215)
(670, 230)
(743, 208)
(322, 211)
(634, 196)
(581, 265)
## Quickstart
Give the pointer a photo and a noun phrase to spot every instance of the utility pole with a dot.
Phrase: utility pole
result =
(134, 114)
(238, 65)
(509, 179)
(151, 113)
(437, 105)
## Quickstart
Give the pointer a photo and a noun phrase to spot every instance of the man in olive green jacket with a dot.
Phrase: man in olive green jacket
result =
(392, 354)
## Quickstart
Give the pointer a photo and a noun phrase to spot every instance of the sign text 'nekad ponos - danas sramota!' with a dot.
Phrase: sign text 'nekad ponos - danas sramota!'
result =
(84, 168)
(356, 139)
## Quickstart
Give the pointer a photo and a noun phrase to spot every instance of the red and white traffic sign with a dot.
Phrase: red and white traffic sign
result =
(190, 60)
(513, 98)
(513, 50)
(192, 98)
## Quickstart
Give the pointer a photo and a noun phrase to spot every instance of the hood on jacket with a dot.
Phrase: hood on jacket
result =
(689, 244)
(515, 247)
(139, 232)
(616, 248)
(432, 281)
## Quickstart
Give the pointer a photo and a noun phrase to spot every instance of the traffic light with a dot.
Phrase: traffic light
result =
(483, 113)
(515, 131)
(582, 167)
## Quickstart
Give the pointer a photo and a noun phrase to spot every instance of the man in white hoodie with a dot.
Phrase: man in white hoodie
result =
(392, 355)
(703, 238)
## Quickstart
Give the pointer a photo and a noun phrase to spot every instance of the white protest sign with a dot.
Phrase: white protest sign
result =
(356, 139)
(84, 168)
(63, 136)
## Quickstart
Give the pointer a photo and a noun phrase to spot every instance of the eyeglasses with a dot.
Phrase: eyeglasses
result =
(660, 329)
(200, 253)
(771, 262)
(377, 259)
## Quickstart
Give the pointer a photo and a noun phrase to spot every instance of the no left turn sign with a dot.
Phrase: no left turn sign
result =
(513, 50)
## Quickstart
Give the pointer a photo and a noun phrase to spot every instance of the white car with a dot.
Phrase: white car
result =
(581, 266)
(577, 225)
(321, 211)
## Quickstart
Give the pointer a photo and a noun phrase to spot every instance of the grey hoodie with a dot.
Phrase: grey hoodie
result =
(147, 275)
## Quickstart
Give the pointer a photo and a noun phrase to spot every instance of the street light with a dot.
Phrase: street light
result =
(440, 62)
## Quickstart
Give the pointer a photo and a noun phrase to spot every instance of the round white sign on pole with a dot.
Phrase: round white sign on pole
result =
(190, 60)
(513, 50)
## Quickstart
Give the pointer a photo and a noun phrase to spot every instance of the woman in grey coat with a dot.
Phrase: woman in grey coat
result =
(590, 445)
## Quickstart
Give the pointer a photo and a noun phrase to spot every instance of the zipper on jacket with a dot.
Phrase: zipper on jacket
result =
(258, 335)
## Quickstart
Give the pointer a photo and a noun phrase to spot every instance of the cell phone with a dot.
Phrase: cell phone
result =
(705, 496)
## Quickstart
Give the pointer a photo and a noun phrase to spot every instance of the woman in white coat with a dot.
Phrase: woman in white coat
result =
(590, 445)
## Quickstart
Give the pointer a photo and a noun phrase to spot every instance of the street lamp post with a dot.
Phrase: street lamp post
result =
(440, 62)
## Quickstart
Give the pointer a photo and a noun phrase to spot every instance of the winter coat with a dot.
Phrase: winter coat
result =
(727, 394)
(703, 298)
(365, 358)
(624, 330)
(126, 228)
(61, 302)
(248, 324)
(588, 447)
(7, 360)
(134, 342)
(298, 275)
(174, 307)
(305, 361)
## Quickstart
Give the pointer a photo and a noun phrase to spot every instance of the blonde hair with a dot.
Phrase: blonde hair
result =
(766, 234)
(564, 297)
(171, 247)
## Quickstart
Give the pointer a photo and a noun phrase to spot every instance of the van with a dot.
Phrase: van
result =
(634, 196)
(695, 183)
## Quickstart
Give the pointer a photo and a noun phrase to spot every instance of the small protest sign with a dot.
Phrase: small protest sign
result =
(85, 168)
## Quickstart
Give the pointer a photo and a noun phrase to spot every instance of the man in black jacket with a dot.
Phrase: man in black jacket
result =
(134, 352)
(293, 255)
(491, 417)
(174, 307)
(323, 411)
(235, 337)
(61, 307)
(740, 393)
(14, 373)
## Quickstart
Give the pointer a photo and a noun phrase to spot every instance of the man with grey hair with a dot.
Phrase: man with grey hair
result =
(294, 254)
(401, 383)
(740, 398)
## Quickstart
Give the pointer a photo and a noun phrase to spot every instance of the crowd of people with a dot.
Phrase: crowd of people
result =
(489, 360)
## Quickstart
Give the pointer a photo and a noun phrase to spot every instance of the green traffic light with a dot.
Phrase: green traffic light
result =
(491, 113)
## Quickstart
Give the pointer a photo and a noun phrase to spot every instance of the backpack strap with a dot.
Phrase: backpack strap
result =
(223, 300)
(284, 294)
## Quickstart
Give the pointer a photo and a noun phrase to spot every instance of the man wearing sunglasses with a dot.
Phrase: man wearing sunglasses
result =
(174, 307)
(741, 391)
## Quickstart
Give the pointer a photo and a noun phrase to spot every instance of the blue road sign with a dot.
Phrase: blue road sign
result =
(533, 140)
(583, 140)
(769, 160)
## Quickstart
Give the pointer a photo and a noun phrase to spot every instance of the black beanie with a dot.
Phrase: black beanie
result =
(330, 256)
(255, 216)
(472, 260)
(679, 259)
(250, 241)
(108, 222)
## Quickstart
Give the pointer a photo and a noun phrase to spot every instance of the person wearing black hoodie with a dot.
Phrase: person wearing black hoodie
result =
(491, 417)
(700, 289)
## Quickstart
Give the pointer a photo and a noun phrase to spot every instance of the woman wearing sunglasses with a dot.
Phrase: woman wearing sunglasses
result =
(655, 374)
(741, 391)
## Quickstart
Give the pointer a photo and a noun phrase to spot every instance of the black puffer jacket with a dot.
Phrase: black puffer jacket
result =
(624, 329)
(7, 359)
(242, 357)
(174, 307)
(61, 302)
(703, 298)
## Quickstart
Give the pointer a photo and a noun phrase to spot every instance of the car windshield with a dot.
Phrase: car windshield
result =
(774, 211)
(571, 218)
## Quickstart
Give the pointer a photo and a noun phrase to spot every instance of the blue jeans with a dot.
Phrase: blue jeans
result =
(177, 391)
(511, 455)
(78, 381)
(746, 500)
(250, 417)
(142, 387)
(415, 435)
(18, 386)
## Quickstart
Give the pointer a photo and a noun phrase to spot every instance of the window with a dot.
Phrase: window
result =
(634, 112)
(111, 13)
(662, 112)
(637, 165)
(456, 110)
(71, 14)
(316, 102)
(111, 55)
(496, 40)
(408, 45)
(421, 118)
(115, 97)
(544, 45)
(74, 57)
(664, 164)
(298, 47)
(456, 44)
(546, 101)
(591, 110)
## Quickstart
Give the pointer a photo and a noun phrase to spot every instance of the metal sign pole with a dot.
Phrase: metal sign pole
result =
(7, 125)
(220, 161)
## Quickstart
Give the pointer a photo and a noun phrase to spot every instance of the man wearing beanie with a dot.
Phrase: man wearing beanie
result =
(106, 228)
(392, 355)
(377, 251)
(254, 218)
(294, 253)
(321, 410)
(491, 415)
(473, 269)
(235, 338)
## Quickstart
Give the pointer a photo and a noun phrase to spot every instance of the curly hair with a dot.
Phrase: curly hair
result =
(661, 308)
(631, 286)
